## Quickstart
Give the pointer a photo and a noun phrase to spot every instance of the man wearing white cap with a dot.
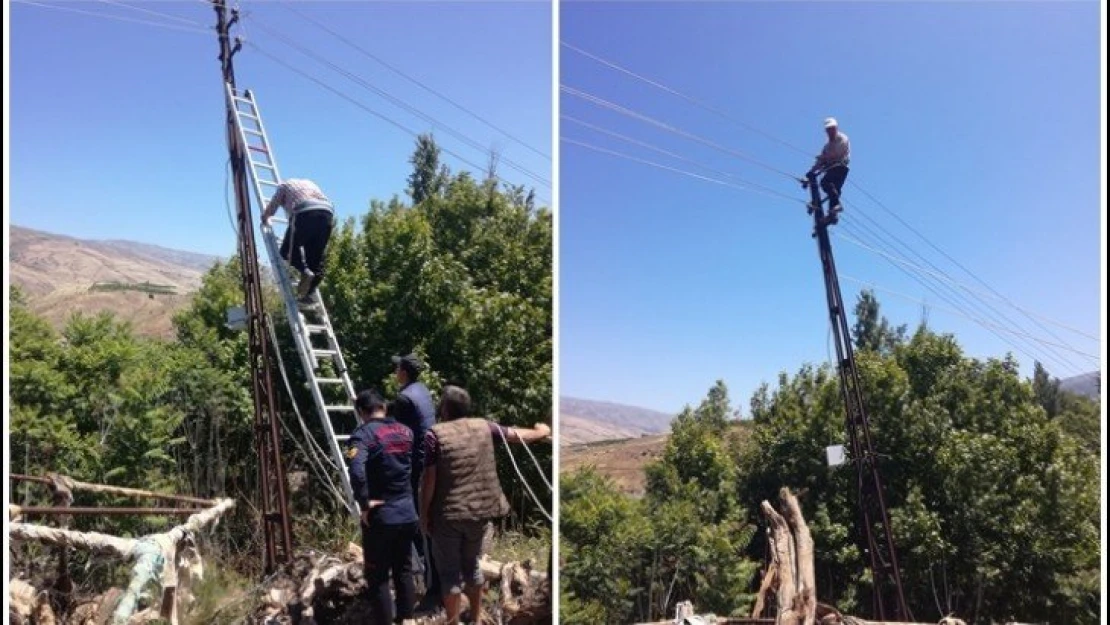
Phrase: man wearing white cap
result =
(833, 161)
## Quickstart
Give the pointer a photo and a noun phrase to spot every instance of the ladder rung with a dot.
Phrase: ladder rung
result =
(253, 131)
(272, 184)
(342, 438)
(323, 352)
(339, 408)
(329, 380)
(258, 149)
(257, 164)
(315, 328)
(246, 114)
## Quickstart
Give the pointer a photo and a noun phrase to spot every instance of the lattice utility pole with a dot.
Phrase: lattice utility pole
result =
(888, 599)
(274, 502)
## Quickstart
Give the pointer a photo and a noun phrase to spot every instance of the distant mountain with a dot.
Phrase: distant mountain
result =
(586, 421)
(56, 272)
(1085, 384)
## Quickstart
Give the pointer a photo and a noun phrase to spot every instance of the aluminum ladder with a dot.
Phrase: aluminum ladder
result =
(332, 391)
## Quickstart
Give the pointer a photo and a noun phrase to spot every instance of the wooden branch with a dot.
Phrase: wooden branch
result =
(72, 484)
(769, 578)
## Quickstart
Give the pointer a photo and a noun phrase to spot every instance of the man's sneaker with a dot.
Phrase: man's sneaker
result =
(304, 287)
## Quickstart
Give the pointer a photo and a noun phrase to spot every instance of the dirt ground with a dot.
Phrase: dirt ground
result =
(621, 460)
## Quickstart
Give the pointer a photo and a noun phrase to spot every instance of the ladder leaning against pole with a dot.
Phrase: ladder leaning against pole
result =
(332, 391)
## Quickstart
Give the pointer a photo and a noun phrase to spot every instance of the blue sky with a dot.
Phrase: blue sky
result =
(977, 123)
(117, 128)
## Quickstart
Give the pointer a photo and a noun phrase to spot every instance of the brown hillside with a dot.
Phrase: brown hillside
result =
(621, 460)
(56, 271)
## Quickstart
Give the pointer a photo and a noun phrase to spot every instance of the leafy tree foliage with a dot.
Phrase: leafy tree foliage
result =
(988, 497)
(872, 331)
(683, 541)
(464, 278)
(993, 500)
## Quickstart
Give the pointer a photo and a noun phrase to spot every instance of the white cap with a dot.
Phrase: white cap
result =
(830, 122)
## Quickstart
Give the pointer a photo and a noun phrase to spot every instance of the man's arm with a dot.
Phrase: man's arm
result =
(274, 203)
(358, 471)
(538, 432)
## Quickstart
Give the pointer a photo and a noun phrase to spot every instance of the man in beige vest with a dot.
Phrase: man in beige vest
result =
(460, 492)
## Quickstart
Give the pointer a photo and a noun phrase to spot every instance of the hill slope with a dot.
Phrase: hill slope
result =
(1085, 384)
(57, 271)
(586, 421)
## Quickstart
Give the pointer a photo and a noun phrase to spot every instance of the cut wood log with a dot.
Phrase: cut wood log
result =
(784, 562)
(805, 601)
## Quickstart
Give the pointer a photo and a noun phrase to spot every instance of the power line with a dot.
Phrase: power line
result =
(691, 99)
(726, 183)
(659, 150)
(696, 176)
(527, 487)
(357, 103)
(953, 260)
(923, 282)
(151, 12)
(1028, 314)
(121, 18)
(960, 314)
(974, 301)
(417, 82)
(949, 280)
(399, 102)
(602, 102)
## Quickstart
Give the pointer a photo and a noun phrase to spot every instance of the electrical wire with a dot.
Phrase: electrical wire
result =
(696, 176)
(415, 81)
(121, 18)
(314, 461)
(520, 474)
(627, 112)
(704, 105)
(1027, 313)
(397, 101)
(157, 13)
(357, 103)
(984, 322)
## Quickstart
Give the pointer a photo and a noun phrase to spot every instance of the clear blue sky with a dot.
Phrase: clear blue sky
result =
(978, 123)
(117, 128)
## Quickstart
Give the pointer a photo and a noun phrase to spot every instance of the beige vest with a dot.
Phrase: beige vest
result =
(467, 487)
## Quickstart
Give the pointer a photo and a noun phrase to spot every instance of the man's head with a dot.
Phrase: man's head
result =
(369, 404)
(407, 368)
(831, 127)
(454, 403)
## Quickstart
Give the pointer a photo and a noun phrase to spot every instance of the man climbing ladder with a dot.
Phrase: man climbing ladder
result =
(833, 162)
(311, 218)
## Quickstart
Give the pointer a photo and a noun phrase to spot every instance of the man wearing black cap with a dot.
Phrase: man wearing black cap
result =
(414, 408)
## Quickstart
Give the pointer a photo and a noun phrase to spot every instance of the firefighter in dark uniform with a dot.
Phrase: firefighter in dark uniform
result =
(380, 454)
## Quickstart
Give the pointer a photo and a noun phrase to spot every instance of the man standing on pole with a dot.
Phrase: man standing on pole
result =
(833, 162)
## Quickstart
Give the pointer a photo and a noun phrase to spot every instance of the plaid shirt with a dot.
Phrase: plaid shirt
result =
(294, 192)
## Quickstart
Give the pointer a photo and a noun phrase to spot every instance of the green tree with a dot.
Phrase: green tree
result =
(984, 490)
(1046, 389)
(428, 176)
(872, 331)
(462, 277)
(685, 540)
